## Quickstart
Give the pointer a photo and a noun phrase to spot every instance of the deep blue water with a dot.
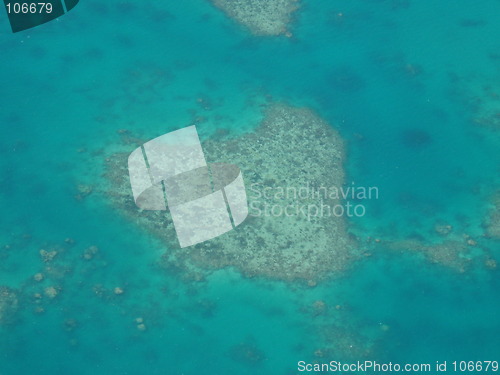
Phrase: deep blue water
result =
(394, 77)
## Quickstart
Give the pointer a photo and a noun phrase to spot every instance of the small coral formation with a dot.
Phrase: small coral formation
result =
(144, 84)
(39, 310)
(481, 95)
(83, 191)
(471, 242)
(118, 291)
(319, 307)
(292, 147)
(384, 327)
(38, 277)
(247, 353)
(458, 251)
(51, 292)
(70, 324)
(261, 17)
(100, 291)
(69, 241)
(490, 263)
(89, 252)
(492, 224)
(488, 108)
(339, 336)
(443, 229)
(450, 253)
(141, 326)
(8, 305)
(37, 299)
(47, 256)
(343, 342)
(311, 283)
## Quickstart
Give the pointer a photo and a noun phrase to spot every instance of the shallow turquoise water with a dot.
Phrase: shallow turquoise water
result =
(73, 83)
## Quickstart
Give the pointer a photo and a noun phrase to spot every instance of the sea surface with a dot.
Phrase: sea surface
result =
(399, 79)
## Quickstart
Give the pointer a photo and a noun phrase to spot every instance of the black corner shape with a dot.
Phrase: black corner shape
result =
(26, 14)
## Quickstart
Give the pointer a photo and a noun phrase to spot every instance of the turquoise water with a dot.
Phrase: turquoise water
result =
(394, 77)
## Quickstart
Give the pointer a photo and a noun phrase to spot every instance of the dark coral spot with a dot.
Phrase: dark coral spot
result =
(345, 79)
(469, 22)
(416, 138)
(247, 353)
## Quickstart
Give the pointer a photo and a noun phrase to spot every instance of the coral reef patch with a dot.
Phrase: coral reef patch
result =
(292, 147)
(261, 17)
